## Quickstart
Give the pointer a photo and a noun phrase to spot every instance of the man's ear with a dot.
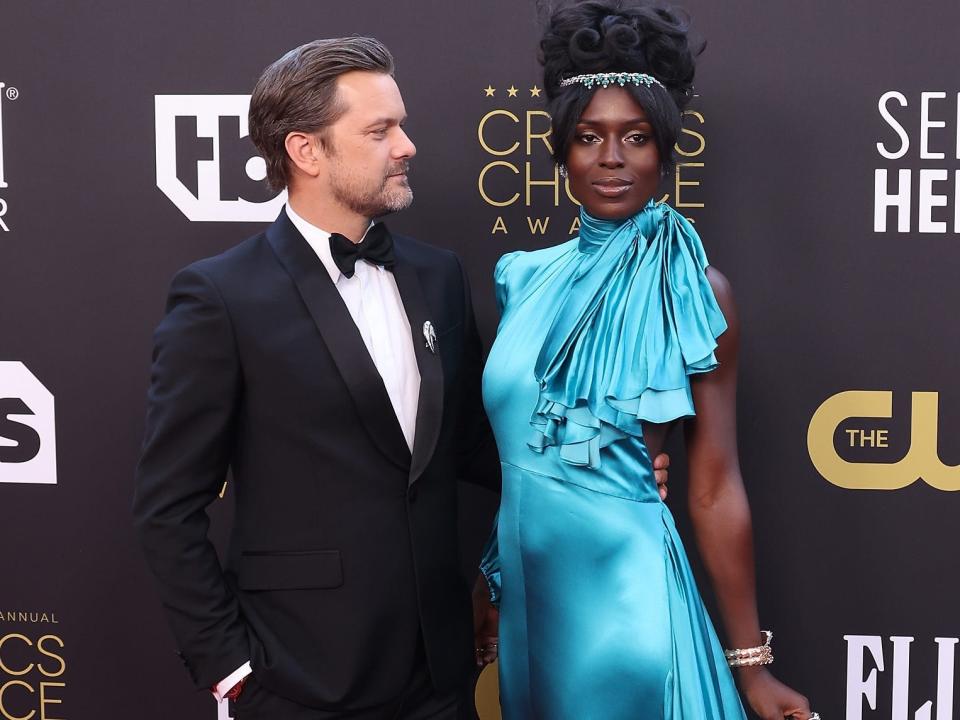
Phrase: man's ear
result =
(304, 151)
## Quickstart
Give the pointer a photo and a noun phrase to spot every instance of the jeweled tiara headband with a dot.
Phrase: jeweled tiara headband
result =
(611, 78)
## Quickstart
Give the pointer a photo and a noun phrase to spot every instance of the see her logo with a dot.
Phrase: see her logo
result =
(922, 199)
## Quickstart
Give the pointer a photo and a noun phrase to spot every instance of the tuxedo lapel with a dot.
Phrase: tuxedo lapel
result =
(342, 339)
(430, 403)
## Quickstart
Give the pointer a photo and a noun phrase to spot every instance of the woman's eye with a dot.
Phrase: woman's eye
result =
(638, 138)
(588, 138)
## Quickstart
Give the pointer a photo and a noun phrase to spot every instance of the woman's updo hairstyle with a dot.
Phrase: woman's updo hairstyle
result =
(599, 36)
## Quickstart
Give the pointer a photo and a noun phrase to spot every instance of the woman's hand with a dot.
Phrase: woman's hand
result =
(661, 463)
(486, 619)
(769, 698)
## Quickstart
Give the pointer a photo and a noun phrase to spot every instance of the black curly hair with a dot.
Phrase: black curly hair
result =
(595, 36)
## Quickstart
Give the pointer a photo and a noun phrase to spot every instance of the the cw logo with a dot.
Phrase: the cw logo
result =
(922, 460)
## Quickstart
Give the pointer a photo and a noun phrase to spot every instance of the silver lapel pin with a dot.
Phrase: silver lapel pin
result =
(430, 335)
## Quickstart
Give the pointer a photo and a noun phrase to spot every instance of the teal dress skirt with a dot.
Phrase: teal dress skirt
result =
(600, 617)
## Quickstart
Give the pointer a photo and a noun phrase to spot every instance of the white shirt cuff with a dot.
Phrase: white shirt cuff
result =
(225, 685)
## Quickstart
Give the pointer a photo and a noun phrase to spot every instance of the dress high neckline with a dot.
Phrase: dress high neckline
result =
(594, 232)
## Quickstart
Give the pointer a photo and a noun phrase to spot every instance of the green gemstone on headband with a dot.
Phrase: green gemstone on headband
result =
(606, 79)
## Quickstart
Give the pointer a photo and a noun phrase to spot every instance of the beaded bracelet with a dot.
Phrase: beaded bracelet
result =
(759, 655)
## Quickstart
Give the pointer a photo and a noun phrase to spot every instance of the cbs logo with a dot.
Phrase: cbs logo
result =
(921, 461)
(28, 447)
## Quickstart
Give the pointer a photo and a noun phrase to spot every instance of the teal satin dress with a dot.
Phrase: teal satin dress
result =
(600, 617)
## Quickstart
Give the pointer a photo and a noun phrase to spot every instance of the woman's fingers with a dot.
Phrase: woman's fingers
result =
(487, 649)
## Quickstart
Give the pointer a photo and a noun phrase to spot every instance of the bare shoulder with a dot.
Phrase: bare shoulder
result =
(721, 287)
(723, 291)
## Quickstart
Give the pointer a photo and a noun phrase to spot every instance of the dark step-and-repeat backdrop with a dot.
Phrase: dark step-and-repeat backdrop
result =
(821, 165)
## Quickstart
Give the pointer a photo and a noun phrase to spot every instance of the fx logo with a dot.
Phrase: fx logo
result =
(10, 93)
(206, 163)
(922, 461)
(28, 444)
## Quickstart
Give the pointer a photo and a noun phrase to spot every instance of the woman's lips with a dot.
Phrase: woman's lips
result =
(612, 187)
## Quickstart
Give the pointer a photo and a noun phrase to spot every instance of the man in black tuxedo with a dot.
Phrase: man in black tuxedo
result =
(336, 371)
(340, 383)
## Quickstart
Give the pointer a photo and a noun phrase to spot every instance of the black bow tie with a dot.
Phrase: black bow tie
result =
(376, 247)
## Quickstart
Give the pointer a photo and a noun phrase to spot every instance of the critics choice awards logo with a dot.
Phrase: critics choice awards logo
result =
(28, 446)
(8, 94)
(33, 666)
(206, 164)
(523, 187)
(924, 199)
(857, 442)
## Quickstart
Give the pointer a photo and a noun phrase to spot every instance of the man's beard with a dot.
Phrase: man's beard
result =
(357, 194)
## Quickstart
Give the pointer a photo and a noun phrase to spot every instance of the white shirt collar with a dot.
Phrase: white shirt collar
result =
(319, 240)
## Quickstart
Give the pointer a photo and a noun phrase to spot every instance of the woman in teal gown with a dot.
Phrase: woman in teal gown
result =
(603, 342)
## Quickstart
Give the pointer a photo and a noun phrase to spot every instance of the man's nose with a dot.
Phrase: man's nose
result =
(405, 148)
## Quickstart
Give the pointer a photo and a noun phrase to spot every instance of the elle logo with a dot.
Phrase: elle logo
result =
(862, 684)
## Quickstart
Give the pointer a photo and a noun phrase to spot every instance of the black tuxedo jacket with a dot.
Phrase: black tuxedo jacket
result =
(344, 546)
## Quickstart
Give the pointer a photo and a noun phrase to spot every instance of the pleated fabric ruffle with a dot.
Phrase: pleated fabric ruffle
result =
(639, 318)
(699, 683)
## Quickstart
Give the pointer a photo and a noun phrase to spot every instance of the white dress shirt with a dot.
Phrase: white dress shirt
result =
(373, 301)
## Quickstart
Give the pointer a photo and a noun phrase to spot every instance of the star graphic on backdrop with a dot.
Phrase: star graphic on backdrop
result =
(512, 91)
(489, 91)
(534, 91)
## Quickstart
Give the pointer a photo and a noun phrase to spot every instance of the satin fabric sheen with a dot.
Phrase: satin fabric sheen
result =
(600, 616)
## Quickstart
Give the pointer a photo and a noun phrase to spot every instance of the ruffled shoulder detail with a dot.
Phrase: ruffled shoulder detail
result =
(638, 318)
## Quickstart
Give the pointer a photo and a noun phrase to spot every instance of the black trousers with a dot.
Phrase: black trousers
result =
(419, 701)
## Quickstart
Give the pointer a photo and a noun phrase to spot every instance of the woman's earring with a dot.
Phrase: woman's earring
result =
(563, 170)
